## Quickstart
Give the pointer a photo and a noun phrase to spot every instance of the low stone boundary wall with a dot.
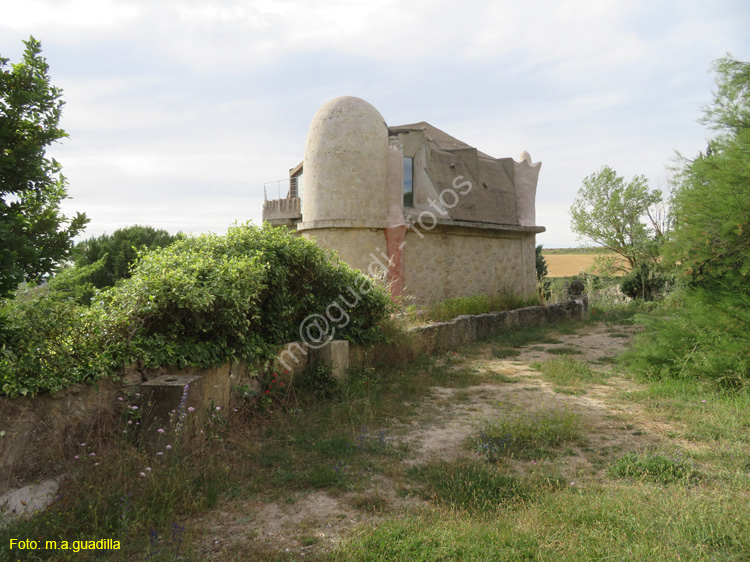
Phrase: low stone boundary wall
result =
(40, 431)
(449, 336)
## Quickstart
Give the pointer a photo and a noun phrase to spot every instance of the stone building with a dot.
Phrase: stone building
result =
(438, 217)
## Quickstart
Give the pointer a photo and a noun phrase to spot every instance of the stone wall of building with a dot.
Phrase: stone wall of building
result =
(468, 227)
(353, 245)
(439, 264)
(443, 262)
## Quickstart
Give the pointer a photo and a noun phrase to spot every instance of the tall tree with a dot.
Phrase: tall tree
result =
(708, 335)
(119, 251)
(34, 235)
(711, 238)
(611, 213)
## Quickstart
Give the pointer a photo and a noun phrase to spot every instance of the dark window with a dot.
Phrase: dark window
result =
(408, 182)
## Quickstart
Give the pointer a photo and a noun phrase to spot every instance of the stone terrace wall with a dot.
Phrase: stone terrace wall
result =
(448, 336)
(41, 432)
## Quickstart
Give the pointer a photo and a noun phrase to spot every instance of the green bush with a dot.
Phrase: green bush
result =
(706, 337)
(541, 264)
(192, 303)
(703, 337)
(645, 282)
(48, 343)
(317, 382)
(201, 301)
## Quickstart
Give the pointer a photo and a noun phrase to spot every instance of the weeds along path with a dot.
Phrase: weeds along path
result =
(493, 387)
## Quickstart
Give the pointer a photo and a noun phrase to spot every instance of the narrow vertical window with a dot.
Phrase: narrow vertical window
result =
(408, 182)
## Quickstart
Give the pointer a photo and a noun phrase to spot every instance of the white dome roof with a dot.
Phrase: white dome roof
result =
(345, 162)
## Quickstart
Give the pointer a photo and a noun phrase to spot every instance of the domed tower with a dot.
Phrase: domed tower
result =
(345, 167)
(434, 216)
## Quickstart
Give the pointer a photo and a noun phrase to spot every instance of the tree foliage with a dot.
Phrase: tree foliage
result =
(611, 213)
(707, 335)
(200, 301)
(541, 264)
(118, 252)
(711, 238)
(35, 235)
(646, 281)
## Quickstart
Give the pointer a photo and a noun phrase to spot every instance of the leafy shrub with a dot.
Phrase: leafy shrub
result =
(703, 337)
(317, 382)
(189, 304)
(201, 301)
(644, 282)
(210, 298)
(75, 282)
(49, 343)
(707, 336)
(541, 264)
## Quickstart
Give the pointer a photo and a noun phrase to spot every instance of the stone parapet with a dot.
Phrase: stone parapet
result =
(282, 212)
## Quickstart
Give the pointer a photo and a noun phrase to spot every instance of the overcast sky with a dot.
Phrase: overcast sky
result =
(179, 111)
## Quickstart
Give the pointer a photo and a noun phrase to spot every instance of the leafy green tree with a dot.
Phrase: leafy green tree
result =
(711, 238)
(118, 252)
(706, 336)
(541, 264)
(544, 283)
(35, 235)
(611, 213)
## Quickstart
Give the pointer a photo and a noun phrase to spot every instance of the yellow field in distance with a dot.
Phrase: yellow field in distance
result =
(568, 265)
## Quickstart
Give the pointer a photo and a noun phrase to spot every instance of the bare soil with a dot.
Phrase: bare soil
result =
(448, 417)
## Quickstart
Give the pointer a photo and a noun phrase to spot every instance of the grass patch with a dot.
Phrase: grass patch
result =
(568, 372)
(605, 360)
(620, 314)
(657, 467)
(116, 492)
(528, 434)
(455, 376)
(520, 337)
(477, 487)
(638, 522)
(476, 304)
(500, 376)
(372, 502)
(707, 413)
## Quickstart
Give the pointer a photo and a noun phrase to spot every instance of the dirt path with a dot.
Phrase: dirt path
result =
(448, 417)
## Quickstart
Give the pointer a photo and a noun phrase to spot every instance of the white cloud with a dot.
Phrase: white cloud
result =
(71, 13)
(180, 110)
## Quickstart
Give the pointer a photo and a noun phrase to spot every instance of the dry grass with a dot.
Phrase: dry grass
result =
(568, 265)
